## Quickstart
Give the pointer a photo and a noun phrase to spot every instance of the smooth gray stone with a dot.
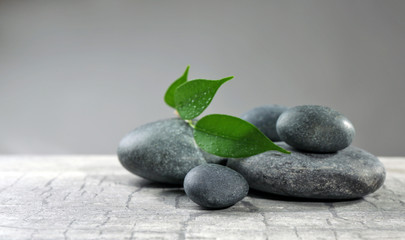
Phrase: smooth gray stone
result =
(315, 128)
(347, 174)
(265, 119)
(215, 186)
(162, 151)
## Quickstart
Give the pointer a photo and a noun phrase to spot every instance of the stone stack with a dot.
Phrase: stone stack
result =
(322, 164)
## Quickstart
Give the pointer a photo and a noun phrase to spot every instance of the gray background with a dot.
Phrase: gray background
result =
(75, 76)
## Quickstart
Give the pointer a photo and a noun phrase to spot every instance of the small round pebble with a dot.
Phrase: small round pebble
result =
(315, 128)
(215, 186)
(347, 174)
(265, 119)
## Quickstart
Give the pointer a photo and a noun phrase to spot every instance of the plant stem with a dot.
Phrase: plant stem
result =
(190, 122)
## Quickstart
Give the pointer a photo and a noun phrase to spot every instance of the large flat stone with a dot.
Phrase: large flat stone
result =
(346, 174)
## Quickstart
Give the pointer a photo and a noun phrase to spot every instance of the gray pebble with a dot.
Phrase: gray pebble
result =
(162, 151)
(347, 174)
(265, 119)
(315, 128)
(215, 186)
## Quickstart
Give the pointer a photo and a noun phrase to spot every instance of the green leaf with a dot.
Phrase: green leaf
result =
(169, 96)
(193, 97)
(229, 136)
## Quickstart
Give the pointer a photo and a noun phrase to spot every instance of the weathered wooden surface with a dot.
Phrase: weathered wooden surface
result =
(93, 197)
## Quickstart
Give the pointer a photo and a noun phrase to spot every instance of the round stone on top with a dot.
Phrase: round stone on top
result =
(314, 128)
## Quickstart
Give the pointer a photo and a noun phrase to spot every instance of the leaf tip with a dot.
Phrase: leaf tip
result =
(187, 68)
(228, 78)
(284, 151)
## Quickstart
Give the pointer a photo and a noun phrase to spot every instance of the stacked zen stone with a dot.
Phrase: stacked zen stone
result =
(322, 164)
(163, 151)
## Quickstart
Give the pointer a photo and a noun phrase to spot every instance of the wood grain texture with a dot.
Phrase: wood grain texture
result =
(93, 197)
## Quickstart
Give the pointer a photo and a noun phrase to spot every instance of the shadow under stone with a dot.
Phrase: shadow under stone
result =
(263, 195)
(144, 183)
(173, 193)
